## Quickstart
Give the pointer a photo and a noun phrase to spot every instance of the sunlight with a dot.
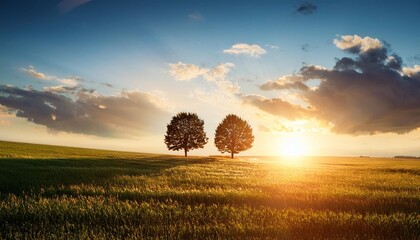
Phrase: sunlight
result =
(293, 146)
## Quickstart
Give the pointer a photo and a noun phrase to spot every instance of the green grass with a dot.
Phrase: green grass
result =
(51, 192)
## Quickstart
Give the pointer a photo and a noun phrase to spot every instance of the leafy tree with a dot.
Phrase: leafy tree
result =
(233, 135)
(185, 131)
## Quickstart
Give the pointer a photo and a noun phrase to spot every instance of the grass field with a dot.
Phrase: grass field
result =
(57, 192)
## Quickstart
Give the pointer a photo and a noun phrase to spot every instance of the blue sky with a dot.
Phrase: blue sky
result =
(131, 44)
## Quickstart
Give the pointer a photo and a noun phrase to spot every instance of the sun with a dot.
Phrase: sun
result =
(293, 146)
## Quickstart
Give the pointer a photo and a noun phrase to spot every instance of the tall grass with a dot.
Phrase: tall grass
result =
(55, 192)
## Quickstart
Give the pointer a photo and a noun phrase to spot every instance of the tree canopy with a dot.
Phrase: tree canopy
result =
(233, 135)
(185, 131)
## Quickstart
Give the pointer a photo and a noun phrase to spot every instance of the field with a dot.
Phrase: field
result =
(56, 192)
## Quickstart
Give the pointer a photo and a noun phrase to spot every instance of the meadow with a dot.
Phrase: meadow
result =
(49, 192)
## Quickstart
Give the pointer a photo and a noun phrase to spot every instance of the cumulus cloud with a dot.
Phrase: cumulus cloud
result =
(292, 82)
(368, 93)
(252, 50)
(185, 72)
(306, 8)
(275, 106)
(218, 75)
(356, 44)
(32, 72)
(412, 72)
(128, 114)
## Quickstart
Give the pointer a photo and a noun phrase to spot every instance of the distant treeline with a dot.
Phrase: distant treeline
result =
(411, 157)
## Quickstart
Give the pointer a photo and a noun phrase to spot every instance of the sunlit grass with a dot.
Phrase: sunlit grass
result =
(56, 193)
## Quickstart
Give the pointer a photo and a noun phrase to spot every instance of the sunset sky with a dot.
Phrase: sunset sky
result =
(311, 77)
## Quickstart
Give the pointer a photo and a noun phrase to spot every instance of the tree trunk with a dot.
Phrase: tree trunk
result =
(231, 154)
(185, 152)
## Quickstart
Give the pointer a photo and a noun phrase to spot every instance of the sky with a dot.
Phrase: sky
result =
(310, 77)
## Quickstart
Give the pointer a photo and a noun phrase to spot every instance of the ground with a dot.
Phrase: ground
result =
(58, 192)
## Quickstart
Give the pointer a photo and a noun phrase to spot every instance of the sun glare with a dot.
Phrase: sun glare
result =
(293, 146)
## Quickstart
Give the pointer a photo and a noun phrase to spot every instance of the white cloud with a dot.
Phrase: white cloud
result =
(71, 81)
(286, 82)
(31, 71)
(219, 72)
(412, 71)
(61, 89)
(252, 50)
(185, 72)
(218, 75)
(364, 44)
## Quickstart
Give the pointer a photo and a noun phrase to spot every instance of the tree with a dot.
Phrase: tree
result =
(185, 131)
(233, 135)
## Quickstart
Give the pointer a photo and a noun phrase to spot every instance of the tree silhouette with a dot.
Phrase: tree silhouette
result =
(185, 131)
(233, 135)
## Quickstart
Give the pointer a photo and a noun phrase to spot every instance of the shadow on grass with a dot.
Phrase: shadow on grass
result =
(23, 175)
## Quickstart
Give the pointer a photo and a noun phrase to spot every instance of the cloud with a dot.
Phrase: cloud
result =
(286, 82)
(5, 116)
(62, 89)
(275, 106)
(72, 81)
(128, 114)
(219, 72)
(218, 75)
(368, 93)
(306, 8)
(66, 6)
(356, 44)
(412, 72)
(252, 50)
(196, 16)
(32, 72)
(185, 72)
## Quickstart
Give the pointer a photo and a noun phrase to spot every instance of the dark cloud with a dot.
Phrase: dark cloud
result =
(306, 8)
(128, 114)
(367, 94)
(275, 106)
